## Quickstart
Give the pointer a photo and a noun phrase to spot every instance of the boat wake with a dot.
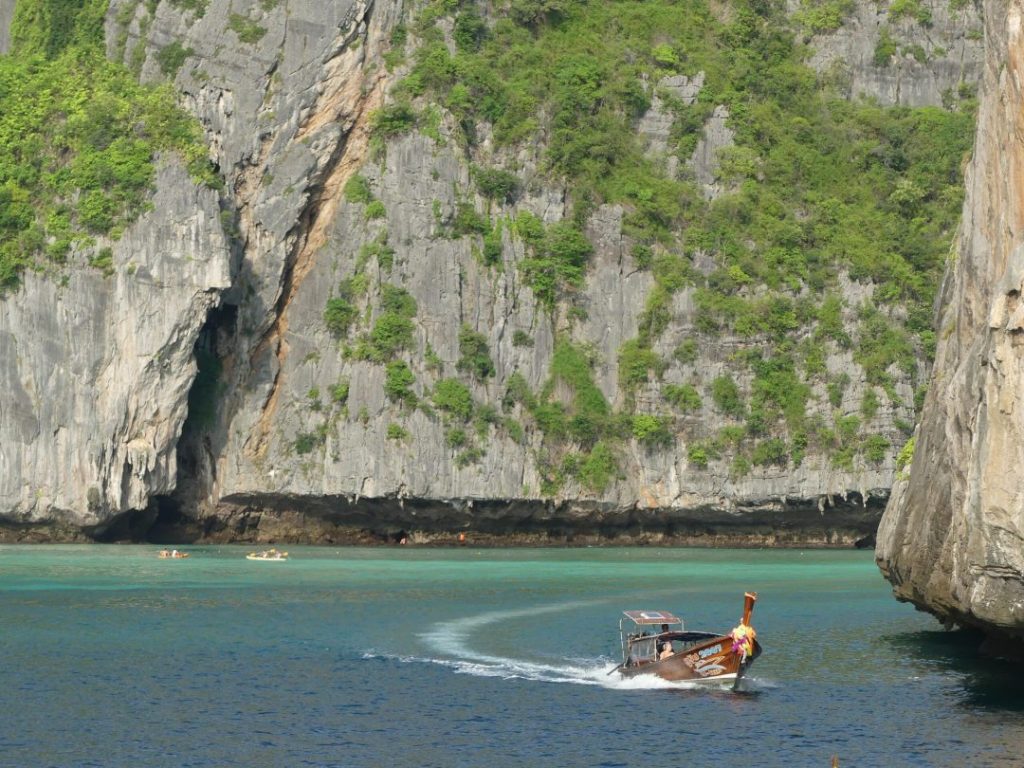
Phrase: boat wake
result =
(451, 640)
(583, 672)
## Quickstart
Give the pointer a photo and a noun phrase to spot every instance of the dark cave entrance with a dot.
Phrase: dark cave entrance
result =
(173, 517)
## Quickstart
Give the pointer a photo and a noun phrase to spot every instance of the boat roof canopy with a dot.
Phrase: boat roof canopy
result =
(652, 617)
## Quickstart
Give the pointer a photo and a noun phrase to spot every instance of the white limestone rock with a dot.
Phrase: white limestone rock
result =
(952, 537)
(99, 368)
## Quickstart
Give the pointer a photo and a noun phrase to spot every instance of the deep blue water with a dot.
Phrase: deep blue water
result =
(466, 657)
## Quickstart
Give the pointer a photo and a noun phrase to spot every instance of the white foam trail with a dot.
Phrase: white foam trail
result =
(595, 672)
(450, 637)
(451, 640)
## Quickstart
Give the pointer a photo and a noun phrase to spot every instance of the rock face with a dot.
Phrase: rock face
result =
(903, 58)
(6, 14)
(271, 446)
(952, 538)
(97, 369)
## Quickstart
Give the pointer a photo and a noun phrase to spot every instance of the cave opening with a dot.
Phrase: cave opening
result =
(175, 517)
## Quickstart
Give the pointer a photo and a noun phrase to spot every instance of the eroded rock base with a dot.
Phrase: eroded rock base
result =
(344, 521)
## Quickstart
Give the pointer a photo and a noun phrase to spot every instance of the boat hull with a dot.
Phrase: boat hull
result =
(708, 660)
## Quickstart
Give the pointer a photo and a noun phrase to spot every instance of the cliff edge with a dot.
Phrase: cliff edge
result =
(952, 537)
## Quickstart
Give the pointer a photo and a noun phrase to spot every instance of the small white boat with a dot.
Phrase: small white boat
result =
(171, 554)
(273, 555)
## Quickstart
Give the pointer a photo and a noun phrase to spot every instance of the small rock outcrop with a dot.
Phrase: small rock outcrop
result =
(6, 15)
(952, 538)
(912, 55)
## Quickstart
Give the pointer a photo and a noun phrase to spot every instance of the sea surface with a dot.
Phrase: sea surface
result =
(474, 657)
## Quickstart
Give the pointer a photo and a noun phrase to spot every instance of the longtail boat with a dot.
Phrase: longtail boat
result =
(658, 643)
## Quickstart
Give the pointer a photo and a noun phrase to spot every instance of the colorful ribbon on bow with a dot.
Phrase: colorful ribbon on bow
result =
(743, 640)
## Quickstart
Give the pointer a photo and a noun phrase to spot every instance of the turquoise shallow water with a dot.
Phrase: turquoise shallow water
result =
(431, 657)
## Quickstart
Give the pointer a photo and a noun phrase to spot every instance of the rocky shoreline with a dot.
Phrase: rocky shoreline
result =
(831, 539)
(487, 523)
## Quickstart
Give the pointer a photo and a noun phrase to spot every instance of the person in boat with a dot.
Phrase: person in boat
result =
(666, 650)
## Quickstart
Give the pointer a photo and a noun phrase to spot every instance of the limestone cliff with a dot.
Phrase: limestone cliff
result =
(952, 538)
(293, 432)
(96, 369)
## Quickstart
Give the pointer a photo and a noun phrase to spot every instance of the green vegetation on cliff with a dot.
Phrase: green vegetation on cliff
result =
(815, 192)
(78, 136)
(817, 183)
